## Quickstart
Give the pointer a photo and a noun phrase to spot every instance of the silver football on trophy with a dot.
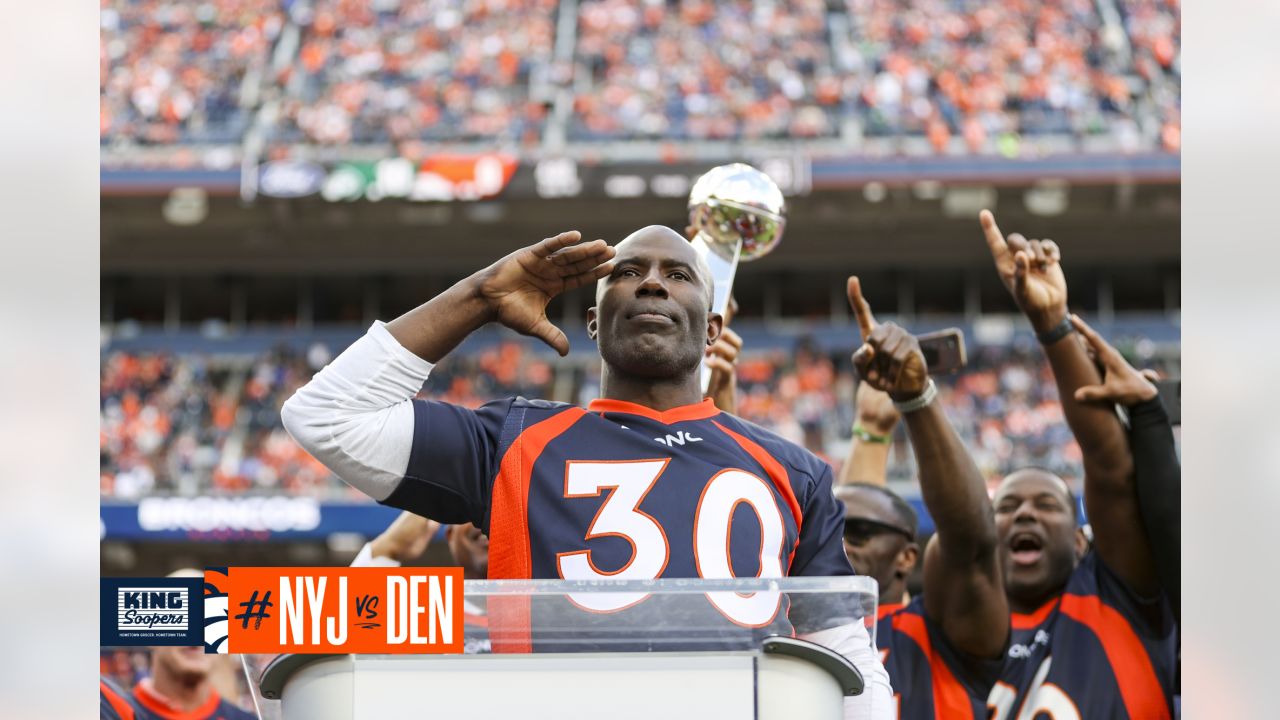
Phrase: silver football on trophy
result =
(737, 203)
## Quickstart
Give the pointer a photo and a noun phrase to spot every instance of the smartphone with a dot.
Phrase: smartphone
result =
(943, 350)
(1171, 397)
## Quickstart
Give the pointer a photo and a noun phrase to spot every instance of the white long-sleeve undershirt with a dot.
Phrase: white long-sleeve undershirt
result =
(853, 641)
(356, 415)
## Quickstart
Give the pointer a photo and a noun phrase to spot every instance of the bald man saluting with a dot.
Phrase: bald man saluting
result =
(648, 481)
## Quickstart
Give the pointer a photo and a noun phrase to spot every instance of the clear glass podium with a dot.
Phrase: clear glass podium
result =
(765, 649)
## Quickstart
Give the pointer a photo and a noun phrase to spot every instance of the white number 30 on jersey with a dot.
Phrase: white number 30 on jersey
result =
(620, 516)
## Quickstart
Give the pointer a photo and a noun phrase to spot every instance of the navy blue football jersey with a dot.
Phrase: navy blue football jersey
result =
(930, 679)
(622, 491)
(114, 703)
(1096, 651)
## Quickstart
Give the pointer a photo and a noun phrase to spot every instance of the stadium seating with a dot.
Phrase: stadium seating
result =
(957, 75)
(173, 73)
(192, 424)
(701, 70)
(377, 72)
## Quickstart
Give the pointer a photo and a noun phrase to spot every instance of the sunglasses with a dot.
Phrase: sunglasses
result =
(861, 529)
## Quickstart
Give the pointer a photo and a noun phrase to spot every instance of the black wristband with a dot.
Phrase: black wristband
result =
(1057, 332)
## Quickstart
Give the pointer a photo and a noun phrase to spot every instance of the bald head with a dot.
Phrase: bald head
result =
(660, 238)
(652, 318)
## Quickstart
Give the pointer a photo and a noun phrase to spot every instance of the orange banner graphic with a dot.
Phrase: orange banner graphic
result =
(333, 610)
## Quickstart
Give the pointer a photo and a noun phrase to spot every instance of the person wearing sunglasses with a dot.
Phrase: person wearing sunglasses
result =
(880, 539)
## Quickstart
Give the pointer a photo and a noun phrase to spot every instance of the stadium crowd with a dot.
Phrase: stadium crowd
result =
(171, 73)
(964, 75)
(167, 419)
(193, 424)
(986, 72)
(703, 70)
(376, 72)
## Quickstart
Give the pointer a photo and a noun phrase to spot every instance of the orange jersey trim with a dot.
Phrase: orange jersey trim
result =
(887, 609)
(776, 472)
(697, 411)
(950, 700)
(508, 517)
(117, 703)
(1139, 688)
(1027, 621)
(158, 705)
(778, 475)
(509, 553)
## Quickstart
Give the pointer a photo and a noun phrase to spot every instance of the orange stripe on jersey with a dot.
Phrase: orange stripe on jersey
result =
(509, 553)
(1139, 688)
(949, 697)
(157, 704)
(117, 703)
(508, 515)
(1027, 621)
(777, 474)
(696, 411)
(887, 609)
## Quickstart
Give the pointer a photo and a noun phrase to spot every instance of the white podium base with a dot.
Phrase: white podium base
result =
(586, 686)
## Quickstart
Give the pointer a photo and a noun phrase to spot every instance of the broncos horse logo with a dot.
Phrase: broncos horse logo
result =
(215, 610)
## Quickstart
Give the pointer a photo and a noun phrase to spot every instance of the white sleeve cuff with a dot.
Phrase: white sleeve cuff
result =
(853, 641)
(365, 558)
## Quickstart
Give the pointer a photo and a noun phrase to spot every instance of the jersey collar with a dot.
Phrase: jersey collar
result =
(157, 704)
(697, 411)
(1026, 621)
(888, 609)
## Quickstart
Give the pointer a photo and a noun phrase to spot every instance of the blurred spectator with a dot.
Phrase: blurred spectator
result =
(1154, 28)
(696, 70)
(185, 425)
(963, 75)
(376, 71)
(982, 70)
(188, 425)
(171, 72)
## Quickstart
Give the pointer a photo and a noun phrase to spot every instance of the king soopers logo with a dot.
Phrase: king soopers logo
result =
(152, 609)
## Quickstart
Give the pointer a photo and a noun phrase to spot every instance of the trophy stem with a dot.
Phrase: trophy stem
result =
(723, 270)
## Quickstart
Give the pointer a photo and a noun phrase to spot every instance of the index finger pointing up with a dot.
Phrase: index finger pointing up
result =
(995, 239)
(861, 309)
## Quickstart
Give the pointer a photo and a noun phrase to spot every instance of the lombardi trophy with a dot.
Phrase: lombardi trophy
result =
(739, 215)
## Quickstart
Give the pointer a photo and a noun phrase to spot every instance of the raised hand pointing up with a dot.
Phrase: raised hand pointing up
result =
(889, 358)
(1030, 271)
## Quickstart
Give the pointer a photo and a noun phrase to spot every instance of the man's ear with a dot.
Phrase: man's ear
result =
(715, 324)
(1081, 544)
(593, 327)
(907, 558)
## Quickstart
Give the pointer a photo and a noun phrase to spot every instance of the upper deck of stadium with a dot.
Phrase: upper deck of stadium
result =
(210, 84)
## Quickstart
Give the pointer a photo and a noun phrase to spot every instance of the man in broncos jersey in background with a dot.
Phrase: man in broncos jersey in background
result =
(1093, 636)
(180, 687)
(650, 481)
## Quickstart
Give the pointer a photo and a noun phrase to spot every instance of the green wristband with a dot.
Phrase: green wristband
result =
(867, 436)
